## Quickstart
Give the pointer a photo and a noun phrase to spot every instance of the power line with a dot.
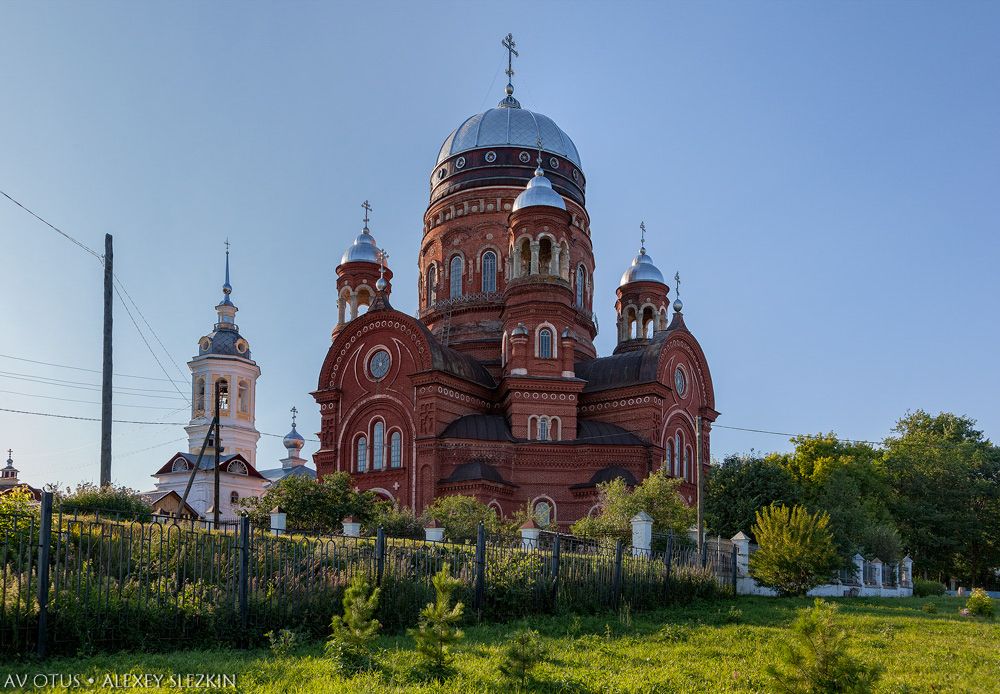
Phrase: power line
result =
(87, 419)
(782, 433)
(88, 387)
(146, 342)
(83, 383)
(55, 228)
(155, 336)
(80, 368)
(87, 402)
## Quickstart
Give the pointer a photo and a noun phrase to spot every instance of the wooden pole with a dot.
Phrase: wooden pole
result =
(699, 478)
(106, 372)
(218, 448)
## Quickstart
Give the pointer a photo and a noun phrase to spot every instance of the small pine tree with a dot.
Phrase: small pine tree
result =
(796, 549)
(350, 644)
(437, 631)
(521, 655)
(817, 661)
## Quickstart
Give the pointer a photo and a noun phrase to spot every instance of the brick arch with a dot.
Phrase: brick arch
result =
(397, 328)
(683, 342)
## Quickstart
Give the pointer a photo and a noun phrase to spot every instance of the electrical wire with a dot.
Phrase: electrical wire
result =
(155, 336)
(87, 402)
(60, 381)
(55, 228)
(80, 368)
(782, 433)
(90, 388)
(88, 419)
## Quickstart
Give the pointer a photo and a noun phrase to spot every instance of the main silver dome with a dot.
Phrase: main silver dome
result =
(642, 270)
(509, 126)
(363, 250)
(539, 193)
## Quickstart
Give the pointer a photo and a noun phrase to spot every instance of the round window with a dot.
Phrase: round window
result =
(442, 173)
(524, 157)
(241, 346)
(460, 163)
(554, 163)
(379, 364)
(680, 381)
(491, 156)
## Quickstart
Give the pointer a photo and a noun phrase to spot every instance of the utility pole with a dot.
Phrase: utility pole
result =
(106, 372)
(218, 448)
(699, 478)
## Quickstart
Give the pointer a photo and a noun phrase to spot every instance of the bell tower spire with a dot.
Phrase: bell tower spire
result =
(226, 309)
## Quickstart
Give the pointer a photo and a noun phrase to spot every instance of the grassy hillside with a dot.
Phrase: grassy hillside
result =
(719, 646)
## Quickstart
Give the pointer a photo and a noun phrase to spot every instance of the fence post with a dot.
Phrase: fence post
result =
(704, 554)
(379, 555)
(44, 544)
(668, 558)
(244, 570)
(555, 571)
(616, 585)
(480, 568)
(735, 571)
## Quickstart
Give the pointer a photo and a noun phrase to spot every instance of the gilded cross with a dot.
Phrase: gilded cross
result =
(538, 141)
(642, 237)
(509, 44)
(368, 208)
(677, 280)
(227, 244)
(294, 412)
(10, 454)
(383, 256)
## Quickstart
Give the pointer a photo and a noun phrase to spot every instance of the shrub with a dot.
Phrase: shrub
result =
(311, 505)
(817, 660)
(521, 655)
(396, 522)
(121, 503)
(882, 541)
(796, 549)
(18, 516)
(353, 634)
(929, 608)
(437, 630)
(461, 516)
(283, 642)
(657, 495)
(980, 604)
(923, 588)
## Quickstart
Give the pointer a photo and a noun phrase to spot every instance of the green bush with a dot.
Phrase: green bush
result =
(929, 608)
(522, 654)
(460, 516)
(437, 629)
(121, 503)
(817, 660)
(282, 642)
(796, 549)
(657, 495)
(354, 634)
(396, 522)
(980, 604)
(311, 505)
(923, 588)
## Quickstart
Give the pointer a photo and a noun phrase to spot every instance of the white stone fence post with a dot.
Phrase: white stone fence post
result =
(742, 543)
(352, 528)
(906, 579)
(859, 568)
(529, 535)
(279, 521)
(642, 535)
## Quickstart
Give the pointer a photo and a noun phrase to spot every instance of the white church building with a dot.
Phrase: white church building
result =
(224, 360)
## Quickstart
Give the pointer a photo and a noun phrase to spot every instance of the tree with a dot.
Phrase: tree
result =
(656, 495)
(120, 503)
(319, 506)
(845, 480)
(521, 655)
(437, 629)
(796, 549)
(461, 516)
(944, 479)
(353, 634)
(818, 662)
(741, 486)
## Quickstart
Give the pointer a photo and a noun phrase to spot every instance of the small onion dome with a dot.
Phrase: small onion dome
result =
(521, 329)
(539, 193)
(678, 305)
(641, 270)
(380, 284)
(363, 250)
(567, 333)
(293, 440)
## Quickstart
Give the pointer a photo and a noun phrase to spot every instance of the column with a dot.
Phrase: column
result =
(642, 534)
(534, 258)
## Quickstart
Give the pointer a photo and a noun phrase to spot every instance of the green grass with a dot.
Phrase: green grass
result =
(719, 646)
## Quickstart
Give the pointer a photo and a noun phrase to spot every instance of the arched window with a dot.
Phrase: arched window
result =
(395, 450)
(543, 428)
(545, 343)
(223, 395)
(455, 277)
(543, 513)
(361, 454)
(243, 397)
(669, 465)
(199, 394)
(237, 468)
(545, 256)
(677, 458)
(234, 498)
(378, 446)
(687, 463)
(581, 282)
(489, 271)
(431, 284)
(180, 464)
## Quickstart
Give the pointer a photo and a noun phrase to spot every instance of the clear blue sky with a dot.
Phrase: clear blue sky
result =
(826, 177)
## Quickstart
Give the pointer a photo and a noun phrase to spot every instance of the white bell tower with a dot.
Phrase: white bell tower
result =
(224, 358)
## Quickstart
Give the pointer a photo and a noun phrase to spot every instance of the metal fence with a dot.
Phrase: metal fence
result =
(71, 583)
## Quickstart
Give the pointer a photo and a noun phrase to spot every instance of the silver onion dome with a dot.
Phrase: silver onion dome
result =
(509, 125)
(641, 270)
(293, 440)
(363, 250)
(538, 193)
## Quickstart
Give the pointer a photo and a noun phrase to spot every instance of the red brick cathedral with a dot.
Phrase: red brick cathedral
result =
(496, 390)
